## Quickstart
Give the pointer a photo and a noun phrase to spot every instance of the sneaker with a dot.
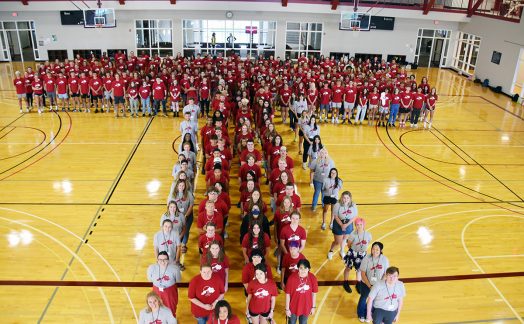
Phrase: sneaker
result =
(361, 319)
(21, 111)
(415, 126)
(304, 166)
(39, 111)
(332, 120)
(425, 125)
(225, 235)
(429, 126)
(342, 254)
(331, 226)
(279, 271)
(323, 227)
(347, 287)
(330, 255)
(336, 121)
(412, 125)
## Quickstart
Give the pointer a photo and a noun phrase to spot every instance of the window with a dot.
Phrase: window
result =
(303, 38)
(242, 37)
(154, 36)
(18, 41)
(60, 55)
(432, 47)
(87, 53)
(466, 53)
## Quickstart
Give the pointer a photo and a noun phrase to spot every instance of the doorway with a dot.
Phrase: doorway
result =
(518, 80)
(18, 41)
(432, 47)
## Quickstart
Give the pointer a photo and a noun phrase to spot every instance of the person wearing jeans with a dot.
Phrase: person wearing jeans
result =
(372, 269)
(361, 107)
(319, 171)
(205, 290)
(395, 105)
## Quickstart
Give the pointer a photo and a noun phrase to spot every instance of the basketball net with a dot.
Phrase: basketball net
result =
(98, 27)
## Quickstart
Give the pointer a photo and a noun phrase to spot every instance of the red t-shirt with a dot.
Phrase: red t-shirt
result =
(338, 92)
(285, 95)
(61, 85)
(49, 84)
(38, 89)
(174, 92)
(248, 273)
(96, 86)
(289, 264)
(255, 245)
(432, 99)
(256, 153)
(84, 85)
(145, 92)
(118, 88)
(282, 219)
(287, 234)
(206, 291)
(108, 83)
(216, 218)
(204, 92)
(133, 93)
(395, 99)
(218, 267)
(261, 295)
(19, 85)
(374, 98)
(204, 242)
(325, 96)
(74, 85)
(295, 200)
(351, 94)
(159, 90)
(301, 292)
(405, 99)
(418, 100)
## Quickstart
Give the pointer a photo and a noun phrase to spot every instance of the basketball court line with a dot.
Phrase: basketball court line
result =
(499, 256)
(480, 165)
(12, 129)
(493, 320)
(464, 246)
(74, 256)
(81, 240)
(12, 122)
(319, 307)
(21, 153)
(95, 217)
(500, 107)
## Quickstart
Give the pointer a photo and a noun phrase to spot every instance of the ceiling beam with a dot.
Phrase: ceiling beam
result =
(284, 3)
(25, 2)
(428, 4)
(173, 2)
(122, 2)
(474, 8)
(334, 4)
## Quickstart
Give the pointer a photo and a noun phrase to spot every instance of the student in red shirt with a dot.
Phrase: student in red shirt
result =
(133, 99)
(204, 93)
(222, 314)
(261, 298)
(395, 104)
(406, 104)
(301, 294)
(350, 97)
(219, 262)
(96, 87)
(205, 290)
(74, 89)
(374, 98)
(50, 88)
(362, 106)
(285, 99)
(431, 101)
(38, 90)
(175, 95)
(83, 82)
(119, 92)
(19, 83)
(336, 104)
(418, 102)
(145, 93)
(325, 102)
(108, 91)
(385, 101)
(290, 263)
(159, 96)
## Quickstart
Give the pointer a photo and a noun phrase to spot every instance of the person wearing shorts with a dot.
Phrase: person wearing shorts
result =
(385, 100)
(19, 84)
(358, 242)
(50, 88)
(119, 92)
(74, 89)
(84, 91)
(406, 104)
(261, 298)
(325, 102)
(336, 102)
(330, 189)
(344, 214)
(374, 98)
(350, 97)
(96, 87)
(38, 90)
(61, 89)
(108, 91)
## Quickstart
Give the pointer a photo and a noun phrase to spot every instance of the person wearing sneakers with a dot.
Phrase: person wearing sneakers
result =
(325, 102)
(319, 171)
(350, 97)
(343, 216)
(358, 241)
(19, 83)
(310, 130)
(372, 270)
(330, 188)
(418, 103)
(431, 102)
(336, 103)
(386, 299)
(395, 104)
(290, 262)
(406, 103)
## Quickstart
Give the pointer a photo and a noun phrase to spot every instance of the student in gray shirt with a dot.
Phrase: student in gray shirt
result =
(386, 299)
(164, 277)
(155, 312)
(330, 189)
(319, 170)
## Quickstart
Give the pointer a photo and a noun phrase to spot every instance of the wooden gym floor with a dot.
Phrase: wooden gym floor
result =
(81, 196)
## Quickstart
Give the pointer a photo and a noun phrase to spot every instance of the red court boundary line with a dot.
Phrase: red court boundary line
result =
(143, 284)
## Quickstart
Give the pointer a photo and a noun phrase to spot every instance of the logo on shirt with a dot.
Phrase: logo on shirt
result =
(165, 278)
(377, 267)
(393, 296)
(261, 293)
(216, 267)
(294, 237)
(207, 291)
(168, 242)
(303, 288)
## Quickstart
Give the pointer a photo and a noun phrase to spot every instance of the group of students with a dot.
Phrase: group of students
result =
(239, 100)
(374, 90)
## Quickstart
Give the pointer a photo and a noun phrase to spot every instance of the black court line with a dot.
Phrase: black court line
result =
(500, 107)
(5, 126)
(40, 150)
(97, 215)
(440, 175)
(12, 129)
(480, 165)
(430, 158)
(127, 162)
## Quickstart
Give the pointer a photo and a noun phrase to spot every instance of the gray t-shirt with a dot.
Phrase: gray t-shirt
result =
(359, 242)
(345, 213)
(178, 221)
(329, 188)
(300, 106)
(387, 297)
(321, 169)
(374, 268)
(310, 131)
(190, 174)
(162, 279)
(194, 110)
(191, 157)
(164, 315)
(167, 242)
